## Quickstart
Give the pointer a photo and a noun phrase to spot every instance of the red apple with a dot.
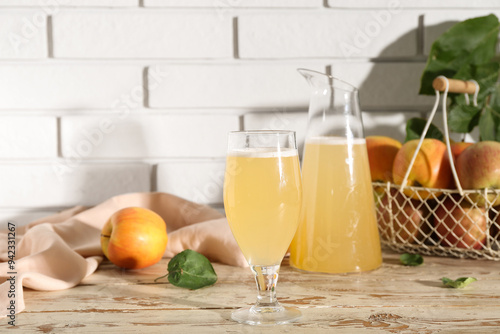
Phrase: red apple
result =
(408, 224)
(431, 168)
(381, 153)
(478, 167)
(495, 229)
(457, 148)
(134, 238)
(461, 225)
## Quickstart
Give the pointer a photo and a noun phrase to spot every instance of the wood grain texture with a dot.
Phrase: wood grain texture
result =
(392, 299)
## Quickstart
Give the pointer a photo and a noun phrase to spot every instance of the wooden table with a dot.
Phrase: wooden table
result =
(391, 299)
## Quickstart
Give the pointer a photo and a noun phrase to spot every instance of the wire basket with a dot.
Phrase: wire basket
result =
(443, 222)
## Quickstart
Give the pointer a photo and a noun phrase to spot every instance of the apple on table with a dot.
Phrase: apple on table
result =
(134, 238)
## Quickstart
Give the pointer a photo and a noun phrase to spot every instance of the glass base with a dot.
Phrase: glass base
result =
(273, 315)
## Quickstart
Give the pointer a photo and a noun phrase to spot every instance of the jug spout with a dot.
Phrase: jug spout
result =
(333, 107)
(321, 80)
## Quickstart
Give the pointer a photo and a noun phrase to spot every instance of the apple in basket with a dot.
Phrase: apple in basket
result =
(381, 153)
(478, 167)
(457, 148)
(407, 224)
(431, 168)
(461, 224)
(134, 238)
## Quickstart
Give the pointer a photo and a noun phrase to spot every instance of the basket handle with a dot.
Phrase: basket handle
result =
(445, 85)
(455, 85)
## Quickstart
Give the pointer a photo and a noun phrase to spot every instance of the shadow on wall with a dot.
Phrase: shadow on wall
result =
(94, 182)
(390, 89)
(80, 179)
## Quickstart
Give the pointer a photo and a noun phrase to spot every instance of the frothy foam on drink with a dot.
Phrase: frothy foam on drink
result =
(263, 152)
(335, 140)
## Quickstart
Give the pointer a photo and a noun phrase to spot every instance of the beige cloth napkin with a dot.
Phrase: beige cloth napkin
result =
(57, 252)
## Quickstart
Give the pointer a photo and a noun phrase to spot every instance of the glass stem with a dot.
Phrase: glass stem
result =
(266, 278)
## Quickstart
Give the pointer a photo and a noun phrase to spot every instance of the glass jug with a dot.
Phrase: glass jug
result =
(338, 230)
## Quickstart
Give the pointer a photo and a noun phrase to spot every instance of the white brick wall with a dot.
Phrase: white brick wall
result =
(201, 181)
(224, 5)
(51, 6)
(330, 34)
(423, 4)
(103, 97)
(66, 86)
(228, 86)
(67, 183)
(146, 136)
(385, 86)
(152, 34)
(28, 137)
(23, 35)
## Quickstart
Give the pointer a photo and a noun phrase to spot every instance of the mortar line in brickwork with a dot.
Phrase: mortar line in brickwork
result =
(145, 87)
(154, 178)
(50, 39)
(58, 138)
(236, 49)
(241, 120)
(420, 35)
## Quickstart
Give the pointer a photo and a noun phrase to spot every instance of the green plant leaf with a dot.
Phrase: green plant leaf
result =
(489, 124)
(415, 127)
(463, 118)
(486, 76)
(459, 283)
(468, 43)
(411, 259)
(191, 270)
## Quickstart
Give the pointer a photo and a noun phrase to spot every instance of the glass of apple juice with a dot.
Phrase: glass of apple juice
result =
(262, 200)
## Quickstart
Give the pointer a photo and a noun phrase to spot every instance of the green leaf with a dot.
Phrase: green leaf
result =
(415, 127)
(411, 259)
(470, 42)
(463, 118)
(489, 124)
(191, 270)
(486, 76)
(459, 283)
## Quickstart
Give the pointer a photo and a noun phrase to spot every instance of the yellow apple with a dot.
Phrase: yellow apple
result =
(134, 238)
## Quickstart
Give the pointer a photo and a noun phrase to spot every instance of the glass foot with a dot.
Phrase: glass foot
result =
(273, 315)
